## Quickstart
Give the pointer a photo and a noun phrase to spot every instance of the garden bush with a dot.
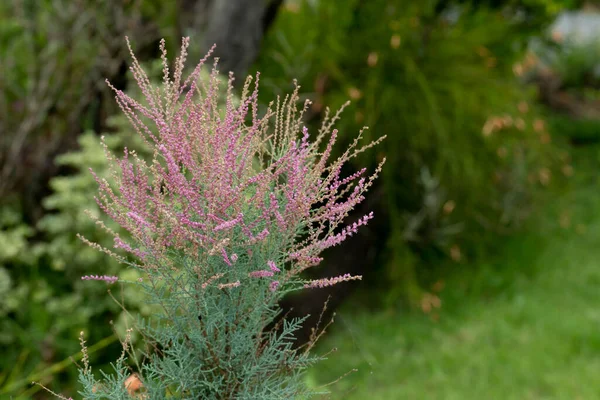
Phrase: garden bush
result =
(566, 69)
(230, 209)
(51, 60)
(53, 57)
(44, 275)
(38, 301)
(466, 142)
(468, 149)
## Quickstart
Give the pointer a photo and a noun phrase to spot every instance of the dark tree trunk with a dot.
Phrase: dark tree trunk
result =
(235, 26)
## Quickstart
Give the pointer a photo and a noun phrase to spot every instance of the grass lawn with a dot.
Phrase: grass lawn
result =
(526, 326)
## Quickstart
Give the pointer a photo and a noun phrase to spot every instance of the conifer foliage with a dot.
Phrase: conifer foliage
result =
(234, 204)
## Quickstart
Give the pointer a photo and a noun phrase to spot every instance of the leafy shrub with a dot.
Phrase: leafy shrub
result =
(229, 210)
(574, 63)
(45, 263)
(441, 86)
(54, 55)
(51, 59)
(44, 278)
(567, 71)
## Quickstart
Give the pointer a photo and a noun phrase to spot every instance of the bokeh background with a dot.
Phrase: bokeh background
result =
(482, 266)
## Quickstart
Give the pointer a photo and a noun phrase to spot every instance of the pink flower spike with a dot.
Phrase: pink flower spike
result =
(225, 257)
(229, 224)
(273, 267)
(321, 283)
(260, 274)
(108, 279)
(262, 235)
(274, 285)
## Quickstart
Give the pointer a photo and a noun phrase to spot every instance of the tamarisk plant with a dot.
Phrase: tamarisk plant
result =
(223, 218)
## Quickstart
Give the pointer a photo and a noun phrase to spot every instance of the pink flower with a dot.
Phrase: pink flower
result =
(260, 274)
(229, 224)
(273, 267)
(214, 186)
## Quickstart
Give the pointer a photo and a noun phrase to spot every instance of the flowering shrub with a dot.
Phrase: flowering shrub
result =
(222, 220)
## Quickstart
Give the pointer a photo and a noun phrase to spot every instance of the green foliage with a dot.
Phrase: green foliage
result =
(13, 235)
(584, 131)
(567, 69)
(44, 283)
(505, 328)
(578, 65)
(439, 85)
(45, 266)
(230, 208)
(574, 62)
(52, 62)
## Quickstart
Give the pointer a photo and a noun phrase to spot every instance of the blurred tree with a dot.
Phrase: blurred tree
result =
(54, 57)
(235, 26)
(466, 161)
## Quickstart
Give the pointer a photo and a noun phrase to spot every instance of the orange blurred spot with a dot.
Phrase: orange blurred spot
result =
(530, 60)
(507, 121)
(438, 286)
(539, 125)
(557, 36)
(491, 62)
(523, 107)
(449, 206)
(429, 302)
(567, 170)
(133, 384)
(518, 69)
(292, 7)
(354, 93)
(502, 152)
(544, 176)
(359, 117)
(545, 138)
(455, 253)
(372, 59)
(483, 51)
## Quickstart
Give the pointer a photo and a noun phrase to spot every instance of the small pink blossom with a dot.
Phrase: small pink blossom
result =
(262, 235)
(225, 257)
(229, 224)
(138, 219)
(273, 267)
(260, 274)
(213, 178)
